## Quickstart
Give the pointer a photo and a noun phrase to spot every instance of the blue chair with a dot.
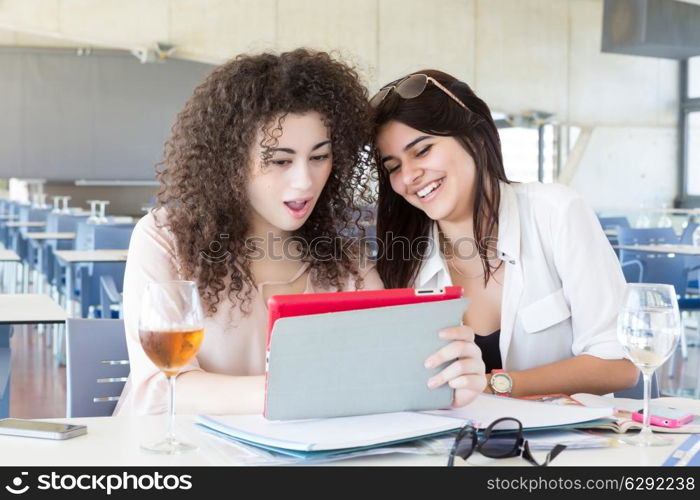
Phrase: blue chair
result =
(637, 392)
(5, 370)
(88, 276)
(110, 297)
(671, 269)
(633, 271)
(97, 366)
(613, 222)
(58, 223)
(692, 262)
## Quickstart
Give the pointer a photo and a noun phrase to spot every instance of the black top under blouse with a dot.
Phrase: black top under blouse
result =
(490, 352)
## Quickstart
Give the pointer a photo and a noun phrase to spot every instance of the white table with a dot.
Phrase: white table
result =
(51, 236)
(115, 441)
(8, 256)
(26, 224)
(663, 248)
(30, 309)
(88, 256)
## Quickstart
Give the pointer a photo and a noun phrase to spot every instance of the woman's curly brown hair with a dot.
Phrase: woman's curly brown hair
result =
(206, 168)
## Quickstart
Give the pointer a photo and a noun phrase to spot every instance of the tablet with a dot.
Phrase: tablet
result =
(356, 353)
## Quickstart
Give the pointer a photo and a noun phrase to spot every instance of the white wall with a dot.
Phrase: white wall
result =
(517, 54)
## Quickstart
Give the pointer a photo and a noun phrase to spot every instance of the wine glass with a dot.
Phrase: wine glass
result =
(171, 331)
(648, 326)
(93, 219)
(56, 202)
(65, 209)
(103, 218)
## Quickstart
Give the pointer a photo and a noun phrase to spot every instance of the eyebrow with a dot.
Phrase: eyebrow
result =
(408, 146)
(291, 151)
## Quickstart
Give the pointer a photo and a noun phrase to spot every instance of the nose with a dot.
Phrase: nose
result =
(301, 176)
(411, 173)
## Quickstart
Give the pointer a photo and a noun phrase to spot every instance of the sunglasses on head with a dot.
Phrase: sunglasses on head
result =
(411, 87)
(502, 439)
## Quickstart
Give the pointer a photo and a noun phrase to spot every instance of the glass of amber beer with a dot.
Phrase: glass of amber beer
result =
(171, 330)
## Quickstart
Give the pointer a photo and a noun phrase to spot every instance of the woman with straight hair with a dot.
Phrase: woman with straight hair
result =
(544, 284)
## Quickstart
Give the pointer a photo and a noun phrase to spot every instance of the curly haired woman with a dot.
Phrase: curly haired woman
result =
(262, 178)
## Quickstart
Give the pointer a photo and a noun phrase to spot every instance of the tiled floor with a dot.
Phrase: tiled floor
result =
(38, 387)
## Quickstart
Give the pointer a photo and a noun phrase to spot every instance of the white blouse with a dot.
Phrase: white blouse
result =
(563, 284)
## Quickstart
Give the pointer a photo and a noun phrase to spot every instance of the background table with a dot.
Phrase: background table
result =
(30, 309)
(26, 224)
(66, 259)
(677, 249)
(87, 256)
(51, 236)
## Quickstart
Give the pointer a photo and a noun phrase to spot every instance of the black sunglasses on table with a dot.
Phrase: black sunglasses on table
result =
(502, 439)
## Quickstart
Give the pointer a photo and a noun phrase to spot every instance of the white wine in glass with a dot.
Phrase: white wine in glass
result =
(171, 331)
(648, 326)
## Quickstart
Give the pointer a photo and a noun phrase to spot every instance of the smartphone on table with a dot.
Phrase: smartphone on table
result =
(39, 429)
(663, 416)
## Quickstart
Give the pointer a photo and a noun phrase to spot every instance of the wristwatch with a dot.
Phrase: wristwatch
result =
(501, 383)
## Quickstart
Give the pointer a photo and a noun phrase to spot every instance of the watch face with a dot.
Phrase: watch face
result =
(500, 383)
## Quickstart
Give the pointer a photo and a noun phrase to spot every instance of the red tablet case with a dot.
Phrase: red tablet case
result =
(281, 306)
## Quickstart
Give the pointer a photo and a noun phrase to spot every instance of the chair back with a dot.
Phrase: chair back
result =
(666, 268)
(687, 235)
(637, 392)
(613, 222)
(97, 366)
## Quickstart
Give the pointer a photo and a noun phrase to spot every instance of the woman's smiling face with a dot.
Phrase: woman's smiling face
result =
(433, 173)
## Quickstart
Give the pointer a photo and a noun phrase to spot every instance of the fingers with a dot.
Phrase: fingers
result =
(463, 397)
(453, 350)
(462, 332)
(458, 373)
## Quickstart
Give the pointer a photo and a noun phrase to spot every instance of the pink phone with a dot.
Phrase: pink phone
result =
(664, 417)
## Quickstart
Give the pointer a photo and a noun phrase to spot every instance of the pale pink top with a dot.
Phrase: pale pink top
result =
(234, 344)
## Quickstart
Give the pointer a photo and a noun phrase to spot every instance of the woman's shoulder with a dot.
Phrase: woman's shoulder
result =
(153, 226)
(548, 204)
(552, 195)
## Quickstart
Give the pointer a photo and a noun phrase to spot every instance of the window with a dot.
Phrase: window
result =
(693, 153)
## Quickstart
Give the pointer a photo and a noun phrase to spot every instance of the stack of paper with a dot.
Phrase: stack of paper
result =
(532, 414)
(330, 436)
(335, 436)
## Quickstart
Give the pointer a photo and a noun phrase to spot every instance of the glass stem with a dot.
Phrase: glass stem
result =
(646, 426)
(171, 410)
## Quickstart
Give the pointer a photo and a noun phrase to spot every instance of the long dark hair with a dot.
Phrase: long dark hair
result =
(435, 113)
(204, 172)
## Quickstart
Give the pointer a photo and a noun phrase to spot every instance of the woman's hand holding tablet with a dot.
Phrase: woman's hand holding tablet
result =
(466, 373)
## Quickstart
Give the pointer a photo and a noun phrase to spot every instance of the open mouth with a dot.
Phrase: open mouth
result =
(298, 208)
(428, 190)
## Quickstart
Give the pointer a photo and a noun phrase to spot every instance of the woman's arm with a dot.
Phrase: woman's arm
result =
(594, 288)
(146, 392)
(582, 373)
